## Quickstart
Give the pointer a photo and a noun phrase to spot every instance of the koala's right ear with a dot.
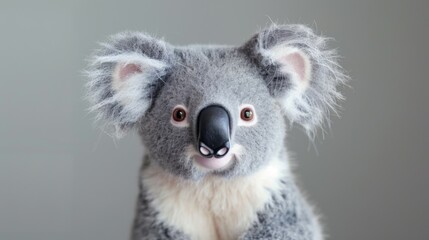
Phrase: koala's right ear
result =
(124, 75)
(301, 72)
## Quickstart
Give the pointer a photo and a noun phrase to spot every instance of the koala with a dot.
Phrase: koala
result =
(213, 123)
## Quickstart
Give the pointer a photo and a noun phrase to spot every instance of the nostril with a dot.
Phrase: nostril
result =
(204, 151)
(222, 152)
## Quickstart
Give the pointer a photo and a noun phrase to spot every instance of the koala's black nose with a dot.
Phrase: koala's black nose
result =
(213, 131)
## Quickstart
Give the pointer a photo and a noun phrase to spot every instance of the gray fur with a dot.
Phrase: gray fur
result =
(197, 76)
(222, 76)
(100, 92)
(313, 108)
(286, 217)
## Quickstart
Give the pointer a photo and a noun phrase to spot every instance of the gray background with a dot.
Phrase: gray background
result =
(61, 177)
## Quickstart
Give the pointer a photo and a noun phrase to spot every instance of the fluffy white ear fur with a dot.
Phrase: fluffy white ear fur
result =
(131, 75)
(129, 78)
(293, 62)
(296, 64)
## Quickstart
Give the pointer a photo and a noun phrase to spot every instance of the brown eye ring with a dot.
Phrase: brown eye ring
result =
(179, 114)
(247, 114)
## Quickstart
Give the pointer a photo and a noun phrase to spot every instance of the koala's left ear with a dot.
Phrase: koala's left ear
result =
(125, 75)
(299, 70)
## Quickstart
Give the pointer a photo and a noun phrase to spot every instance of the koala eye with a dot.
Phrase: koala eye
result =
(246, 114)
(179, 114)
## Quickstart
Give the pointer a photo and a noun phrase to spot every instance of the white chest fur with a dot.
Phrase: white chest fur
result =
(214, 208)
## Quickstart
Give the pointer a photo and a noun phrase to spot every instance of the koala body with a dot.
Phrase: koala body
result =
(213, 123)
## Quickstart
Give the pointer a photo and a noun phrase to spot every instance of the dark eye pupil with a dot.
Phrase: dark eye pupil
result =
(180, 114)
(248, 114)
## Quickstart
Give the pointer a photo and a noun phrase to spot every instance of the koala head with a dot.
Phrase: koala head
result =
(215, 109)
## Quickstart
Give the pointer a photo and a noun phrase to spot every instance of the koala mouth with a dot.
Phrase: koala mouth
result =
(213, 163)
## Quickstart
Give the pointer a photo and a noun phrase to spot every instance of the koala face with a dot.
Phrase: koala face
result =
(215, 88)
(216, 110)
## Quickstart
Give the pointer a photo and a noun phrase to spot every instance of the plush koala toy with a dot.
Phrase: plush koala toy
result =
(213, 121)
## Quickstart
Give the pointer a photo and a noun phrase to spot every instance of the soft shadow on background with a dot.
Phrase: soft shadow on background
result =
(61, 177)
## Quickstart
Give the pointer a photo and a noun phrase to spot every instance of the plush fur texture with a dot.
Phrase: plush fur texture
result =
(309, 106)
(283, 71)
(123, 109)
(219, 208)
